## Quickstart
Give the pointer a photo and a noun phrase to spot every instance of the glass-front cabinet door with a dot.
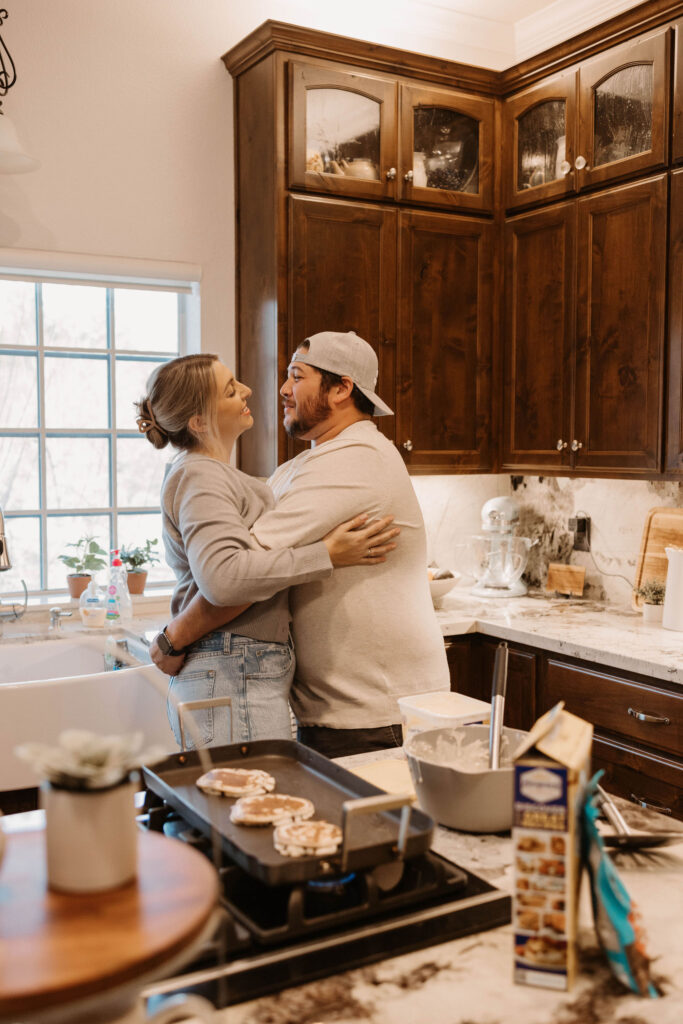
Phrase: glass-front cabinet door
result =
(539, 130)
(342, 132)
(446, 148)
(623, 111)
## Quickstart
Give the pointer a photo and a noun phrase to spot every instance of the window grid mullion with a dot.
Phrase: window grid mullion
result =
(42, 436)
(113, 482)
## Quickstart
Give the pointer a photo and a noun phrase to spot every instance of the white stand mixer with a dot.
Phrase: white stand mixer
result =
(498, 557)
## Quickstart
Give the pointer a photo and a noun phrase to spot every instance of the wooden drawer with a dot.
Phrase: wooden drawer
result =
(614, 704)
(640, 777)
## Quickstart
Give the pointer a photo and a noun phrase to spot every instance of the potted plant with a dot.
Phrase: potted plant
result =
(88, 787)
(88, 558)
(652, 593)
(134, 559)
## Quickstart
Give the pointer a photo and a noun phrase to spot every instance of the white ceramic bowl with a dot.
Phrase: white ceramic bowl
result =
(439, 588)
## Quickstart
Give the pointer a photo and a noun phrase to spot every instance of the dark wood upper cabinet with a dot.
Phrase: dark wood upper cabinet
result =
(446, 148)
(342, 132)
(539, 338)
(677, 140)
(445, 322)
(539, 129)
(620, 329)
(623, 111)
(332, 290)
(674, 420)
(604, 121)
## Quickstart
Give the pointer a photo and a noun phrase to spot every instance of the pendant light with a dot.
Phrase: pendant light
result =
(13, 159)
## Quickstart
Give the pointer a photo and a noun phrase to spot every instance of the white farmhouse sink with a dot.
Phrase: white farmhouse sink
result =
(50, 685)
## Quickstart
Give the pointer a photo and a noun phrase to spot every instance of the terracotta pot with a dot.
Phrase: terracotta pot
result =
(77, 583)
(136, 582)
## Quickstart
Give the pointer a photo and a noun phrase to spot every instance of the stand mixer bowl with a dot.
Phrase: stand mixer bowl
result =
(497, 562)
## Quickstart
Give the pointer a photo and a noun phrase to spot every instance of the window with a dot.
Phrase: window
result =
(74, 356)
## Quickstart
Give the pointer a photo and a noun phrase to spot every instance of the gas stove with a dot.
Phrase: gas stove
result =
(275, 937)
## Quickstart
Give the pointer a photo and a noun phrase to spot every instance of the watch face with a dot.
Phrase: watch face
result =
(164, 643)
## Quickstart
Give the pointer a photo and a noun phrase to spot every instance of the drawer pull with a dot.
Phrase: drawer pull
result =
(648, 806)
(650, 719)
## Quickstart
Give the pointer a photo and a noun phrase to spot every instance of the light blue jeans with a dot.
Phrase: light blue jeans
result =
(255, 674)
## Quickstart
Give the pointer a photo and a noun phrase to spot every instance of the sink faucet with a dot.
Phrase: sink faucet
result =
(15, 611)
(56, 616)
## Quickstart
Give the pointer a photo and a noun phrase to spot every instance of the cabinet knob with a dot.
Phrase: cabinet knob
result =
(391, 174)
(576, 445)
(408, 176)
(560, 444)
(565, 167)
(580, 163)
(408, 445)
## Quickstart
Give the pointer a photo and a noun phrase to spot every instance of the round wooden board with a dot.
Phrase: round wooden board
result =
(58, 947)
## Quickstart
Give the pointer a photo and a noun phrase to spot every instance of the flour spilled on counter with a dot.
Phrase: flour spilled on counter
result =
(454, 748)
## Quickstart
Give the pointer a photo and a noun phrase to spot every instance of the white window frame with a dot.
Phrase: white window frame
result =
(60, 268)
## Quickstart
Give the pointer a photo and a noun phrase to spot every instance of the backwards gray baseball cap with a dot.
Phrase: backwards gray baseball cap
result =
(347, 355)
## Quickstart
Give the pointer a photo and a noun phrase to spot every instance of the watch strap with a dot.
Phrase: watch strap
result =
(166, 646)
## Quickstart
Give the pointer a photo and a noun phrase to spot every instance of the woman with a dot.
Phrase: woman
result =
(208, 507)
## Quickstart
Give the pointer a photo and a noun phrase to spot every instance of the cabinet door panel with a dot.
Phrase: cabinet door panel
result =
(445, 330)
(623, 110)
(674, 434)
(458, 653)
(539, 338)
(520, 697)
(446, 148)
(615, 704)
(342, 262)
(342, 132)
(620, 334)
(677, 139)
(539, 131)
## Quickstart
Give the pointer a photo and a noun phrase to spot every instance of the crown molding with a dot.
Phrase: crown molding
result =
(559, 21)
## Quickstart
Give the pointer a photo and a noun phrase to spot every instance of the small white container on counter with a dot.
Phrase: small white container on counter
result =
(441, 709)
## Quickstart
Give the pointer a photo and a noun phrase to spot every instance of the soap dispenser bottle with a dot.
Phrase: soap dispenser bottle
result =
(92, 606)
(119, 604)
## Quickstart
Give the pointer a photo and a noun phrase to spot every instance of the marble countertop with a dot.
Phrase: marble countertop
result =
(469, 980)
(611, 635)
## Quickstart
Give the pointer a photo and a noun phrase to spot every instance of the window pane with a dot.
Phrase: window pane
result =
(134, 530)
(342, 133)
(75, 315)
(77, 472)
(17, 313)
(18, 391)
(76, 393)
(147, 321)
(23, 548)
(131, 378)
(63, 530)
(19, 473)
(140, 469)
(623, 114)
(445, 149)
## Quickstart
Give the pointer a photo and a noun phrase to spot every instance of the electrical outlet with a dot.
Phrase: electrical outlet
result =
(581, 528)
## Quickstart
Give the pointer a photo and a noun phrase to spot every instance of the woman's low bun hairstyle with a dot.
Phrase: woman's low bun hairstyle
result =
(177, 391)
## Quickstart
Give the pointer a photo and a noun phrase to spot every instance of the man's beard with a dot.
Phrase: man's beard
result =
(313, 412)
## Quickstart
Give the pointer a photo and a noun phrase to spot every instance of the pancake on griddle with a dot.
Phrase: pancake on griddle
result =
(302, 838)
(236, 781)
(270, 809)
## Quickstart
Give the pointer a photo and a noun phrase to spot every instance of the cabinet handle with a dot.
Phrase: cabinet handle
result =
(391, 174)
(560, 444)
(565, 167)
(649, 806)
(580, 163)
(650, 719)
(576, 445)
(408, 176)
(408, 445)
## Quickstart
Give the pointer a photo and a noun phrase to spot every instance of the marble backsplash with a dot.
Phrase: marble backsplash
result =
(451, 506)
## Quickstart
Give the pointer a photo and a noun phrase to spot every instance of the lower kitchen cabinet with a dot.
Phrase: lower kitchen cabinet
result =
(638, 721)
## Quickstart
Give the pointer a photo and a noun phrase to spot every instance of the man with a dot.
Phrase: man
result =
(368, 635)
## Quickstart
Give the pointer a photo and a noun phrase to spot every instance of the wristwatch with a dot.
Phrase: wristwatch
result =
(165, 645)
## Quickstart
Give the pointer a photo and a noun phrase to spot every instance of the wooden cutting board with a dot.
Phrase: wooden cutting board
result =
(663, 529)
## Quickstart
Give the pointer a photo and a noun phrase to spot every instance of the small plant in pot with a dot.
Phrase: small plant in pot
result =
(652, 592)
(88, 558)
(135, 559)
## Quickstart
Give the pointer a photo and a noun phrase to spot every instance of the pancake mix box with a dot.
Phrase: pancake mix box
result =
(551, 772)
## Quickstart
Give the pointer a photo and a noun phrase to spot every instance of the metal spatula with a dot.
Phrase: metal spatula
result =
(500, 678)
(624, 836)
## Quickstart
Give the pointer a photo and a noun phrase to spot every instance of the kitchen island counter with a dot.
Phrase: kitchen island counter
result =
(469, 980)
(606, 634)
